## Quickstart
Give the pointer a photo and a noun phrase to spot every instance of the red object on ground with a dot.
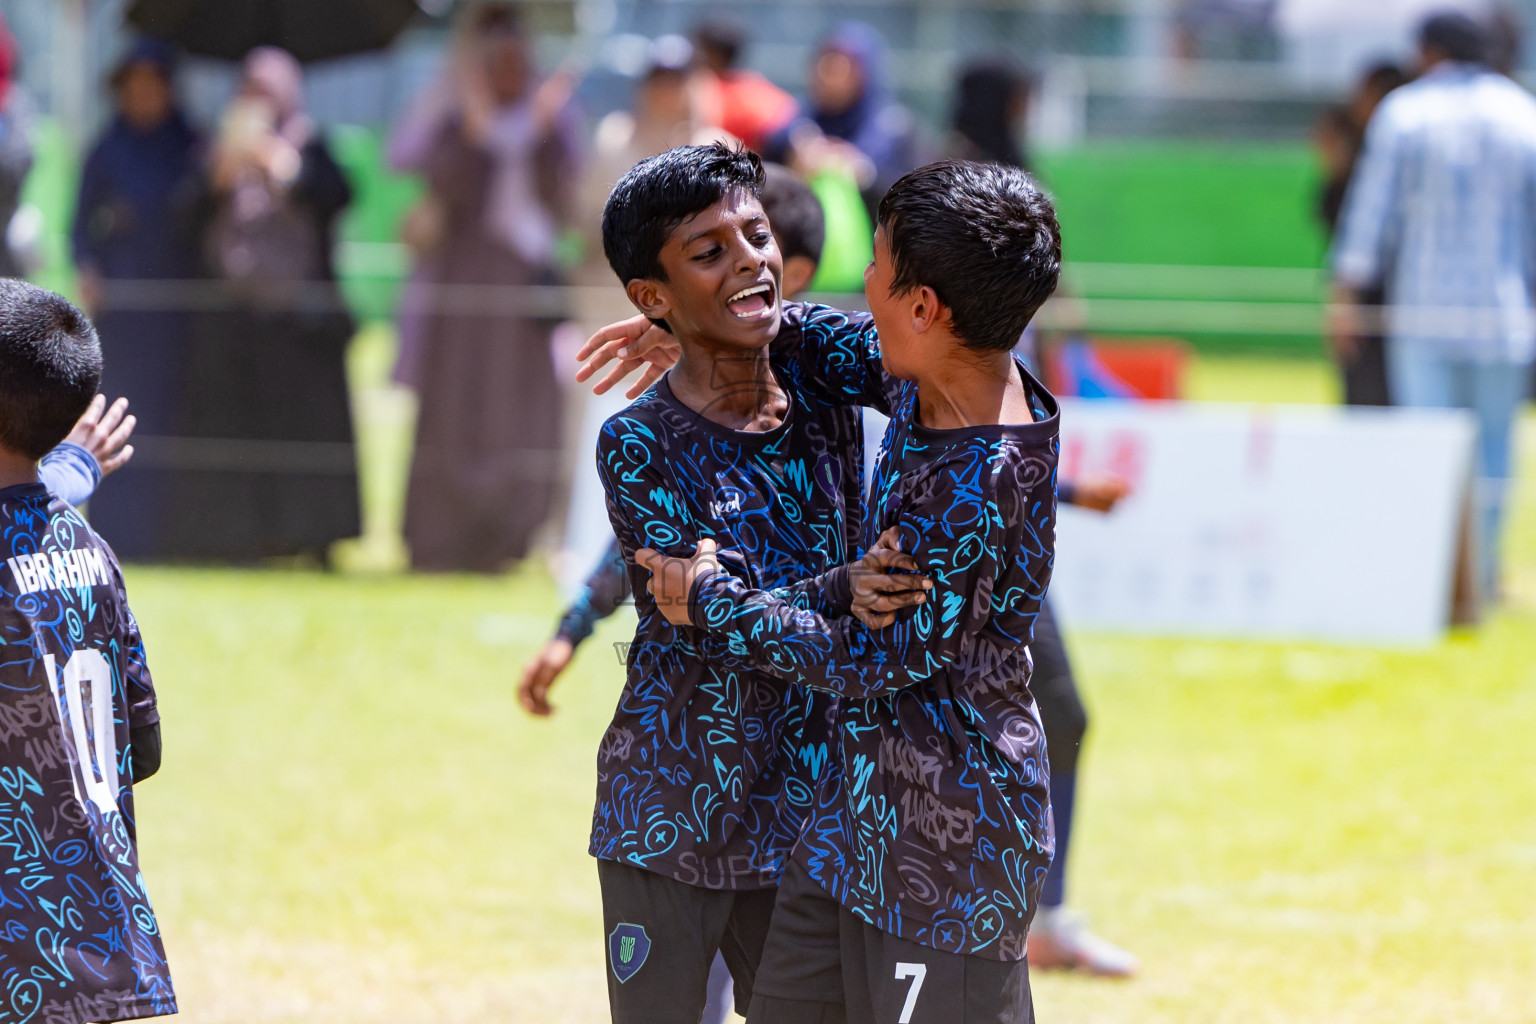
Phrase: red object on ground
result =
(1150, 368)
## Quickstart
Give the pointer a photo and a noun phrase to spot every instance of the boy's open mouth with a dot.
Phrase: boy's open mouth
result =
(751, 303)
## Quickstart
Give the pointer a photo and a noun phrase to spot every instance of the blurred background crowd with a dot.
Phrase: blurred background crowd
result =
(260, 206)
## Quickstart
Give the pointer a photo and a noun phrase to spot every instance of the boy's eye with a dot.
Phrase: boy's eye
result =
(762, 238)
(707, 254)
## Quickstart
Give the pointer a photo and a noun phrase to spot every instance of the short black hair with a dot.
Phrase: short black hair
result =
(50, 367)
(660, 192)
(984, 237)
(795, 214)
(1455, 35)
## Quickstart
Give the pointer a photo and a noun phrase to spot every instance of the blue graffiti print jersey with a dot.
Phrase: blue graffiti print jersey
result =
(709, 766)
(80, 942)
(932, 822)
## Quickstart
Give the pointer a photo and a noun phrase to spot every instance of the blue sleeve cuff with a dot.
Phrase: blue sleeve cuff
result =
(71, 472)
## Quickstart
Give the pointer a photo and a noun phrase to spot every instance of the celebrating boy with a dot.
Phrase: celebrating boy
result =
(80, 726)
(709, 767)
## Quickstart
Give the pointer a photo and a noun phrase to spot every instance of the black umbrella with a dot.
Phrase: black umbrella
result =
(308, 29)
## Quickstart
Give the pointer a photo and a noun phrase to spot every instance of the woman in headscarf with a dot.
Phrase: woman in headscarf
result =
(990, 103)
(130, 225)
(269, 422)
(852, 107)
(498, 151)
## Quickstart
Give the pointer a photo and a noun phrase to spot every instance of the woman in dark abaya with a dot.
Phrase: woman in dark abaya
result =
(270, 456)
(130, 226)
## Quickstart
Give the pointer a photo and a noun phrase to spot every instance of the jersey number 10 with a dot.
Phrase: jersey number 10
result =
(87, 684)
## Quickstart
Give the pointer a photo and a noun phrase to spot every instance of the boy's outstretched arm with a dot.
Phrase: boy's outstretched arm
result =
(636, 343)
(840, 351)
(601, 595)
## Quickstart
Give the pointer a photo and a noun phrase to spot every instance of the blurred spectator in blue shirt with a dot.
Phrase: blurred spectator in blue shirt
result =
(1442, 209)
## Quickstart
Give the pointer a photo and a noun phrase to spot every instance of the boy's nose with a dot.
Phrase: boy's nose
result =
(749, 258)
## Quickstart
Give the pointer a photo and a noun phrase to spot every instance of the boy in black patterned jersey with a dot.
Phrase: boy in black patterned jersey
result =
(909, 895)
(710, 765)
(79, 726)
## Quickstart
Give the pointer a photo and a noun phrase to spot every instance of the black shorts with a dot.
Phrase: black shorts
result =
(822, 965)
(662, 936)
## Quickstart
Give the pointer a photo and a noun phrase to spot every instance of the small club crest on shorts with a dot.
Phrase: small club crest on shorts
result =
(628, 947)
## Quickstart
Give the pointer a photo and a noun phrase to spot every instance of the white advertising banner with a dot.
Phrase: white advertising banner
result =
(1265, 521)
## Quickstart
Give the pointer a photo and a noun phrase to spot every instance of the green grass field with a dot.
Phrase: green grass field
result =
(356, 823)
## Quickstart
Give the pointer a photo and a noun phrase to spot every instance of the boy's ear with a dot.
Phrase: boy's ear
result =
(798, 272)
(927, 311)
(649, 297)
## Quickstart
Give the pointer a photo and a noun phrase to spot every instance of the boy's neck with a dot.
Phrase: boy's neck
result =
(16, 469)
(731, 387)
(967, 388)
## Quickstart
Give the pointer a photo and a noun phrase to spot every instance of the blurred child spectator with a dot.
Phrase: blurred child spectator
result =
(498, 149)
(267, 361)
(742, 102)
(15, 145)
(131, 225)
(1340, 134)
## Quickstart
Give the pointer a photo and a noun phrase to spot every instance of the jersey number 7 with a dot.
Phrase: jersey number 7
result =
(917, 972)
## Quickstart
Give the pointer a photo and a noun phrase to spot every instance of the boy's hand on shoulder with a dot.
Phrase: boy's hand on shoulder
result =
(671, 582)
(885, 581)
(104, 433)
(637, 344)
(540, 674)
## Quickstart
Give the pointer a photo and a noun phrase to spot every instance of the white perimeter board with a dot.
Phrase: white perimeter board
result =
(1265, 521)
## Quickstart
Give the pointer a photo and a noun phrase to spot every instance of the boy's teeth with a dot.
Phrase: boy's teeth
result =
(748, 291)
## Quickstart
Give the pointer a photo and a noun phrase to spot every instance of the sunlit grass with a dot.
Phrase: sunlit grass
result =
(356, 823)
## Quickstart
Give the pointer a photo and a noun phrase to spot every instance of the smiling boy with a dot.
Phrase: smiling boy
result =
(708, 769)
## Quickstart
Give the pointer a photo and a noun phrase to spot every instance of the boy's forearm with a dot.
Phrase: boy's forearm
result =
(842, 352)
(836, 654)
(71, 472)
(604, 592)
